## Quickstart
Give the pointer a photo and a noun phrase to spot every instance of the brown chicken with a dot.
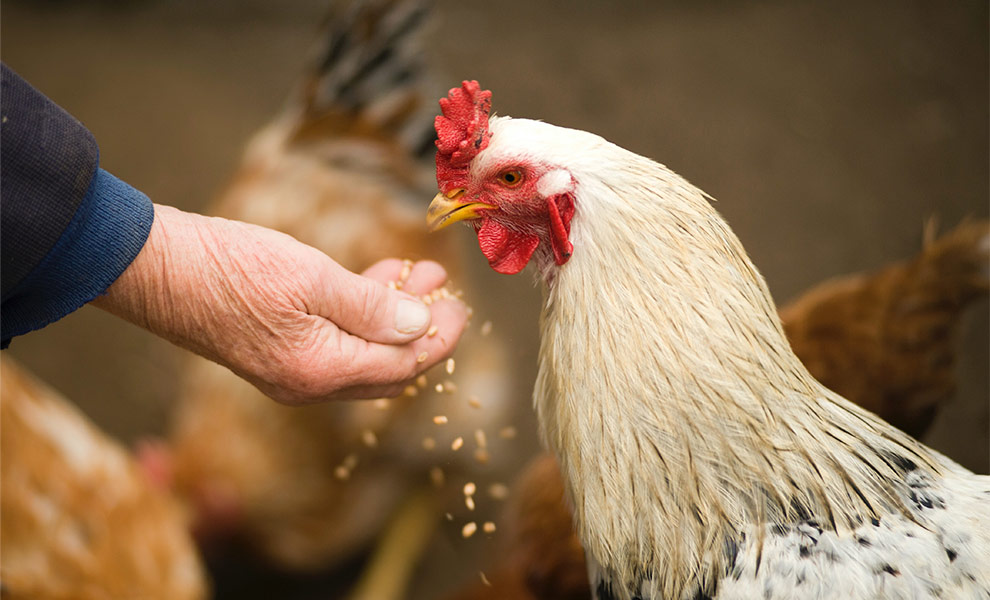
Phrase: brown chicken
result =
(79, 519)
(341, 170)
(884, 339)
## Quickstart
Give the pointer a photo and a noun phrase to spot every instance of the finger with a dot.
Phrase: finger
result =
(425, 277)
(372, 364)
(384, 270)
(370, 310)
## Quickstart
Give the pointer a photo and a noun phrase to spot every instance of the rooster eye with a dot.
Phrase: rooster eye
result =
(510, 178)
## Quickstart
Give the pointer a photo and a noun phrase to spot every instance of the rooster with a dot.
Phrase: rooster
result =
(700, 457)
(883, 339)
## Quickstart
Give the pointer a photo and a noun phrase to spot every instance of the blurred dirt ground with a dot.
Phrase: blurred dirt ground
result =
(829, 132)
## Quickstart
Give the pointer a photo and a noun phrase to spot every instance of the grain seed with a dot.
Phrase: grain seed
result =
(488, 527)
(486, 328)
(480, 438)
(369, 438)
(470, 488)
(436, 476)
(450, 366)
(469, 529)
(422, 357)
(507, 433)
(457, 443)
(440, 419)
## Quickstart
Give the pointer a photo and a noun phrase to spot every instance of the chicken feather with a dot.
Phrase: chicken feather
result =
(700, 456)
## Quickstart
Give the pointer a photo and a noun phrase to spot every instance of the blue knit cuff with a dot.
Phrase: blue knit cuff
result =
(108, 230)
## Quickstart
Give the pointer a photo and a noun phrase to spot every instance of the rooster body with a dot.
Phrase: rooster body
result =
(701, 458)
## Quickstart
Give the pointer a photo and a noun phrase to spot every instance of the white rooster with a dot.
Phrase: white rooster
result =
(701, 458)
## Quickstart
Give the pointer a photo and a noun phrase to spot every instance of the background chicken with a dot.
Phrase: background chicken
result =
(308, 488)
(695, 447)
(900, 324)
(79, 519)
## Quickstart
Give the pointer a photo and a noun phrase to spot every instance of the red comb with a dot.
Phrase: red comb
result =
(462, 132)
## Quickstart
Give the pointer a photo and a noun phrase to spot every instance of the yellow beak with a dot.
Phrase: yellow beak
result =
(448, 208)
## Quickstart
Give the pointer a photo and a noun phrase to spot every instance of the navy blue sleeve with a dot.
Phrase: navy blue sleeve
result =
(68, 229)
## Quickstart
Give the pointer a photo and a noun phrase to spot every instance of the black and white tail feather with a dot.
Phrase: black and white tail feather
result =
(370, 77)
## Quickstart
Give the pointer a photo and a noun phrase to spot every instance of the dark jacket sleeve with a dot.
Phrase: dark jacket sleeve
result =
(68, 229)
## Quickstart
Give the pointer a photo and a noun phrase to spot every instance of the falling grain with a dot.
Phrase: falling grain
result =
(342, 473)
(470, 488)
(473, 402)
(481, 455)
(350, 461)
(439, 388)
(469, 529)
(382, 404)
(486, 328)
(488, 527)
(450, 366)
(369, 438)
(436, 476)
(507, 433)
(469, 502)
(410, 391)
(484, 579)
(429, 443)
(440, 420)
(421, 381)
(480, 438)
(498, 491)
(457, 443)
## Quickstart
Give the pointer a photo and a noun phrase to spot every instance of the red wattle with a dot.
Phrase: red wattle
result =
(561, 210)
(507, 251)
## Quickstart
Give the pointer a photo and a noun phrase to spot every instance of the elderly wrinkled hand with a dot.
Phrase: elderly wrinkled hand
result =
(282, 314)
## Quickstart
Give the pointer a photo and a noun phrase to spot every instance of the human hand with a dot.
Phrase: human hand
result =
(281, 314)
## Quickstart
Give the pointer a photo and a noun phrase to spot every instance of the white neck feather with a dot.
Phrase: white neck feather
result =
(671, 396)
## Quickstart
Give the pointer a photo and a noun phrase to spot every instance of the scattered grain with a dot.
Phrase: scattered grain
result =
(498, 491)
(469, 529)
(369, 438)
(432, 331)
(406, 270)
(422, 357)
(392, 285)
(436, 476)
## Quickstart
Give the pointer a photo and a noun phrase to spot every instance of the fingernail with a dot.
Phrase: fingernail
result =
(411, 316)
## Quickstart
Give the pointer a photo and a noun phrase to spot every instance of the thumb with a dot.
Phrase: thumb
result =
(371, 310)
